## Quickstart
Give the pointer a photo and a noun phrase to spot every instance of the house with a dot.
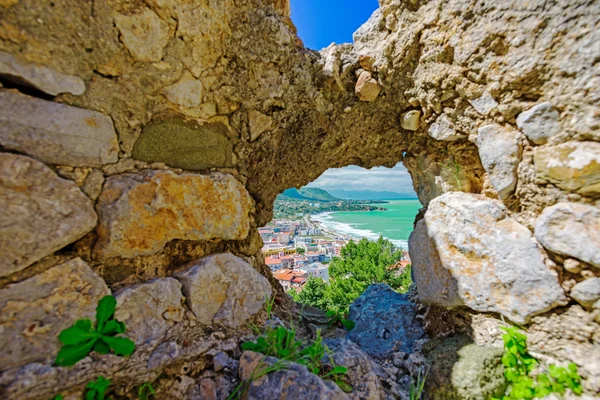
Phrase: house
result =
(316, 270)
(289, 278)
(302, 241)
(273, 263)
(315, 256)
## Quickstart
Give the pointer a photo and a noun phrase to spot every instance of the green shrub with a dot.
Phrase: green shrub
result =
(519, 366)
(96, 390)
(83, 337)
(145, 391)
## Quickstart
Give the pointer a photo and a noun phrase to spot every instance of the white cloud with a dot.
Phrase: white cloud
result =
(394, 179)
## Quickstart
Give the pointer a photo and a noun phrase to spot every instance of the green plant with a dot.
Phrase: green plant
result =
(519, 366)
(282, 343)
(416, 386)
(269, 304)
(58, 397)
(96, 390)
(145, 391)
(340, 318)
(82, 338)
(242, 388)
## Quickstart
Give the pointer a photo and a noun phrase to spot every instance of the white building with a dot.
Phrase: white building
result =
(316, 270)
(302, 241)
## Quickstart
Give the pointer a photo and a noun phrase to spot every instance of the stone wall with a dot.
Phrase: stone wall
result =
(143, 142)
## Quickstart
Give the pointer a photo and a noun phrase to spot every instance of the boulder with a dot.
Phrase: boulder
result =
(462, 370)
(149, 309)
(33, 312)
(494, 260)
(140, 213)
(40, 212)
(571, 230)
(500, 154)
(385, 322)
(56, 133)
(572, 166)
(367, 87)
(223, 289)
(587, 292)
(539, 123)
(290, 382)
(39, 77)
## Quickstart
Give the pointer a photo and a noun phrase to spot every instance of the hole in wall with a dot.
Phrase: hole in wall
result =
(344, 212)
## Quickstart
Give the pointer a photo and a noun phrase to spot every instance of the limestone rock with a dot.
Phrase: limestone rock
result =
(39, 77)
(92, 185)
(572, 230)
(436, 285)
(367, 87)
(443, 129)
(539, 123)
(33, 312)
(496, 264)
(149, 309)
(462, 370)
(484, 104)
(145, 35)
(224, 289)
(186, 92)
(259, 123)
(573, 266)
(40, 212)
(500, 154)
(365, 376)
(385, 322)
(185, 145)
(587, 292)
(140, 213)
(286, 383)
(56, 133)
(410, 120)
(572, 166)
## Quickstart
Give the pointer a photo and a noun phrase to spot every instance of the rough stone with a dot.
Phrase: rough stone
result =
(573, 266)
(364, 375)
(500, 154)
(149, 309)
(367, 87)
(185, 145)
(144, 34)
(436, 285)
(259, 123)
(92, 185)
(385, 322)
(443, 129)
(285, 383)
(40, 212)
(186, 92)
(586, 292)
(462, 370)
(572, 166)
(496, 264)
(33, 312)
(220, 361)
(39, 77)
(572, 230)
(484, 104)
(56, 133)
(140, 213)
(410, 120)
(223, 289)
(539, 123)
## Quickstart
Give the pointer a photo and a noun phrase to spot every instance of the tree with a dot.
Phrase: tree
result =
(300, 250)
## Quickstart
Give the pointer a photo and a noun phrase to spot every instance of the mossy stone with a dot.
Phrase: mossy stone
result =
(185, 145)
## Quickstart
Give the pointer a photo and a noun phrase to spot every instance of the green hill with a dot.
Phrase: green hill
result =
(309, 193)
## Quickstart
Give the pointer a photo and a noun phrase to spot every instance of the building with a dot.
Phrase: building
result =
(316, 270)
(283, 237)
(315, 256)
(273, 263)
(289, 278)
(302, 241)
(270, 249)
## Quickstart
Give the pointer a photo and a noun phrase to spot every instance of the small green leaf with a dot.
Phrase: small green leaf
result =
(338, 369)
(120, 346)
(75, 335)
(84, 324)
(101, 347)
(70, 355)
(105, 310)
(344, 386)
(113, 327)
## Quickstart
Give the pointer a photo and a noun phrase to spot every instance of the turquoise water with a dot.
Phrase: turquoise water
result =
(395, 224)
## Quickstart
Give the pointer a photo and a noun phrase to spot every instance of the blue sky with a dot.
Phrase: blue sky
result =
(394, 179)
(321, 22)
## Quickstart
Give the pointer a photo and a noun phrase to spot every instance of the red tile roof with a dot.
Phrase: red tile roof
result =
(272, 261)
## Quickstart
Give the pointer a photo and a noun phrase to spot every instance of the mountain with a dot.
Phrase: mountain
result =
(370, 194)
(309, 193)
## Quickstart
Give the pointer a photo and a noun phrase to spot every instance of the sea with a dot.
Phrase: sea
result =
(395, 223)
